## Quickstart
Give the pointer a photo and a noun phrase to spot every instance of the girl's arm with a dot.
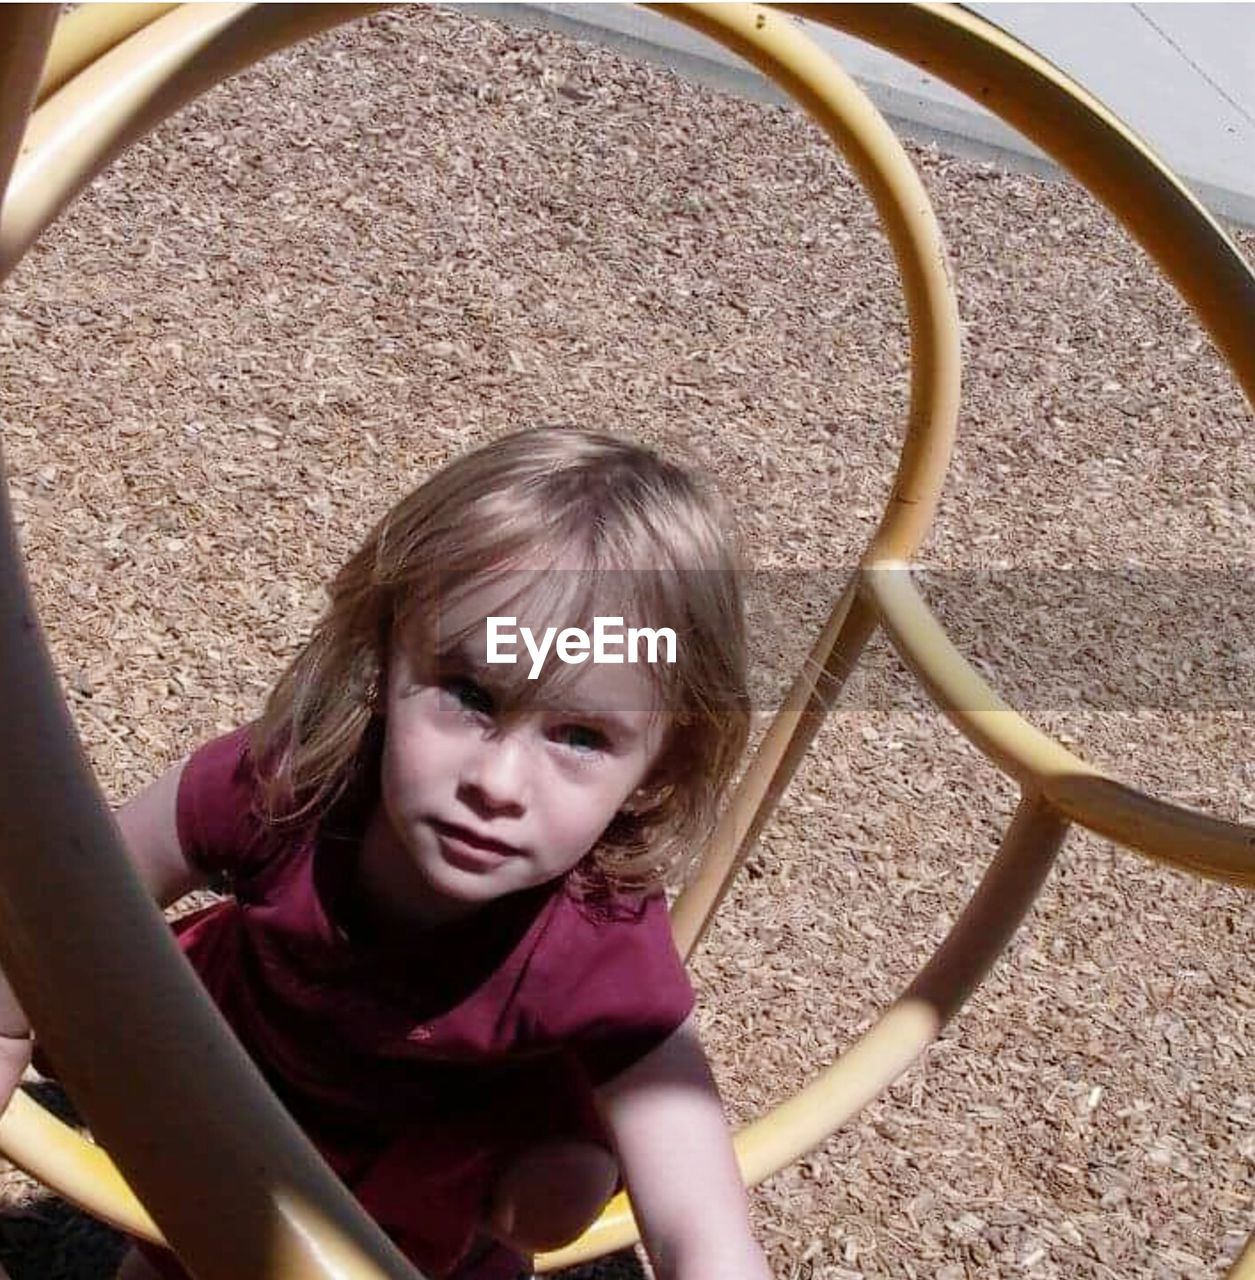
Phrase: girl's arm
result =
(150, 835)
(675, 1151)
(151, 838)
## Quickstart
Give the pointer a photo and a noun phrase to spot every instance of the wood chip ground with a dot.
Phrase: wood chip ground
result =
(328, 277)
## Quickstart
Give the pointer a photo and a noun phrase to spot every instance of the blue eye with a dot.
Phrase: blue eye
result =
(467, 693)
(581, 737)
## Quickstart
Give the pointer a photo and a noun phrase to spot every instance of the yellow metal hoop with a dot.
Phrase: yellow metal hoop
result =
(108, 101)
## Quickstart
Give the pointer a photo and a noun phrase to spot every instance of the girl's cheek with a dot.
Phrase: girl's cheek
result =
(583, 769)
(436, 711)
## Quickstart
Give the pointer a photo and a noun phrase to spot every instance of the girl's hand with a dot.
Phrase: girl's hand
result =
(15, 1056)
(677, 1159)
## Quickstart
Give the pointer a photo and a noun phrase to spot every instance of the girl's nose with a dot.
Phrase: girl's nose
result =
(493, 777)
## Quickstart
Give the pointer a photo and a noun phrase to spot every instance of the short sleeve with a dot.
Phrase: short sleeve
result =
(618, 987)
(219, 832)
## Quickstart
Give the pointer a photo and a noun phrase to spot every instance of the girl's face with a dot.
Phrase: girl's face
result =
(473, 806)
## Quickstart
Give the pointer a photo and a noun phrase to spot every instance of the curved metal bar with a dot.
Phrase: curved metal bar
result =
(1082, 135)
(127, 91)
(81, 1172)
(815, 81)
(1211, 275)
(1070, 124)
(783, 52)
(25, 35)
(1170, 833)
(168, 1048)
(1009, 888)
(90, 30)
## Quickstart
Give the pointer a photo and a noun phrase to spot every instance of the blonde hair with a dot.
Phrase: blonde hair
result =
(638, 525)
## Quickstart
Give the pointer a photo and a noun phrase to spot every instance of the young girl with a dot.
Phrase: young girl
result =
(445, 942)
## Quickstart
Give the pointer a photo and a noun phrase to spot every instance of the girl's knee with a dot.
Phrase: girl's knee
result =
(550, 1193)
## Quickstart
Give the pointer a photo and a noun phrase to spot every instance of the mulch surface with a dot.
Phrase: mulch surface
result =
(326, 278)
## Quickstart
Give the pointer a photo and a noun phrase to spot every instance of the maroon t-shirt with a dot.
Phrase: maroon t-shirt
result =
(416, 1067)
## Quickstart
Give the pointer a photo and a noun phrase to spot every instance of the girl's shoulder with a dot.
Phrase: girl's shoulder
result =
(606, 980)
(591, 922)
(221, 824)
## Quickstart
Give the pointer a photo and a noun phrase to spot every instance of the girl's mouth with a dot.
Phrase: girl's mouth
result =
(466, 839)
